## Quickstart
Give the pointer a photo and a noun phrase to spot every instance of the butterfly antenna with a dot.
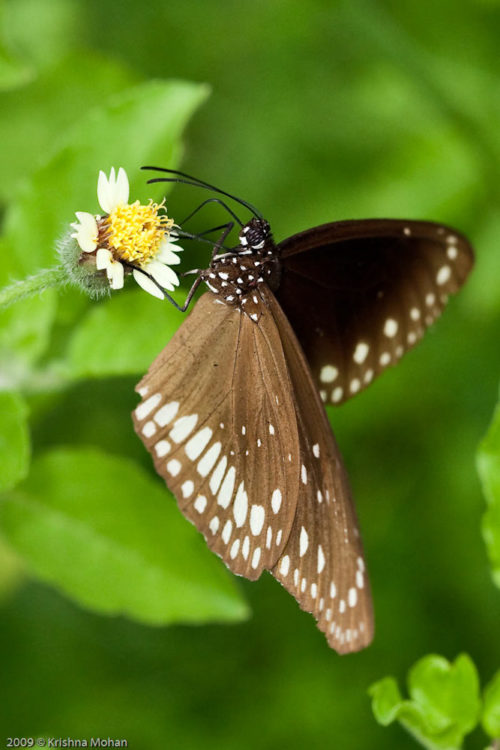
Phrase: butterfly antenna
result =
(187, 179)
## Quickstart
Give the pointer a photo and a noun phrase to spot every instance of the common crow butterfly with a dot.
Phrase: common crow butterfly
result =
(232, 409)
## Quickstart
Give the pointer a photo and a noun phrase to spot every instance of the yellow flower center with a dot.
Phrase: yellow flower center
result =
(135, 232)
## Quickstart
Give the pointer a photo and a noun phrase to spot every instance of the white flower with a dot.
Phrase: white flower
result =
(130, 238)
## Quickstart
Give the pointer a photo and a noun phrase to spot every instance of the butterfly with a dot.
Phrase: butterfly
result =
(233, 409)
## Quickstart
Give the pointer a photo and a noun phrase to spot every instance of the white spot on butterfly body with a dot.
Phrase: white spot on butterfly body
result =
(257, 518)
(217, 475)
(443, 275)
(276, 500)
(167, 412)
(197, 444)
(162, 447)
(303, 542)
(256, 558)
(328, 374)
(200, 503)
(183, 427)
(214, 524)
(149, 429)
(223, 275)
(390, 327)
(173, 467)
(321, 559)
(206, 464)
(316, 450)
(147, 406)
(361, 352)
(226, 491)
(187, 488)
(240, 507)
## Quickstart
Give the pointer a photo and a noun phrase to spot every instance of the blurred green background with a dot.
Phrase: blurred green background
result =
(318, 111)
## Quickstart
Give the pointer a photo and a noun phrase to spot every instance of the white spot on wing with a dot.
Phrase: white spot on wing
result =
(187, 488)
(328, 374)
(167, 412)
(183, 427)
(217, 475)
(390, 327)
(321, 559)
(360, 352)
(162, 447)
(197, 444)
(240, 507)
(207, 462)
(257, 518)
(303, 542)
(147, 406)
(200, 503)
(226, 491)
(173, 467)
(443, 275)
(276, 500)
(256, 558)
(285, 565)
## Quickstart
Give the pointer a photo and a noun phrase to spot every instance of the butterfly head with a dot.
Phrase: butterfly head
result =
(253, 236)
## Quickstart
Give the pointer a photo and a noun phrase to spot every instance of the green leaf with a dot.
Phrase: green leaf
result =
(102, 344)
(101, 530)
(488, 466)
(491, 707)
(14, 440)
(444, 701)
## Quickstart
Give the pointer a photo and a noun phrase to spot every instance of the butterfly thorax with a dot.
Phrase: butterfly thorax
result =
(234, 277)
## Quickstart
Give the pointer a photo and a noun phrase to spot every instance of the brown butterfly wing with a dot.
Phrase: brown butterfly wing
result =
(217, 415)
(323, 564)
(370, 289)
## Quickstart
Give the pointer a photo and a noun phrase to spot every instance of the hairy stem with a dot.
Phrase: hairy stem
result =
(18, 290)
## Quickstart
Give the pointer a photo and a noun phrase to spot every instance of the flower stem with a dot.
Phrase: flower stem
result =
(37, 284)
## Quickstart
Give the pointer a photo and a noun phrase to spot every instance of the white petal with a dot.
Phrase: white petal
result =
(122, 186)
(116, 278)
(147, 284)
(103, 192)
(103, 258)
(162, 274)
(165, 255)
(85, 220)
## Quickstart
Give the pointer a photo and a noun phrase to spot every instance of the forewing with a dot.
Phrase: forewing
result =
(323, 564)
(217, 415)
(359, 294)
